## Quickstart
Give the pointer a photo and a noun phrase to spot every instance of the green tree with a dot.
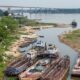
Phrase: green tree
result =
(10, 22)
(1, 13)
(6, 13)
(3, 32)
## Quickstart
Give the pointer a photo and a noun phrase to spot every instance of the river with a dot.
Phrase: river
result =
(55, 18)
(51, 36)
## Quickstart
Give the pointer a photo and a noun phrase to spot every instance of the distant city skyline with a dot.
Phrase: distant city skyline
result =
(43, 3)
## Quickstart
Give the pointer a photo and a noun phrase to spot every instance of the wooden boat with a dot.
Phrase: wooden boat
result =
(41, 36)
(36, 70)
(76, 69)
(19, 65)
(57, 72)
(27, 43)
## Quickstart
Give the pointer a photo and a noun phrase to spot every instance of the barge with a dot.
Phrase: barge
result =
(35, 71)
(47, 69)
(19, 65)
(58, 72)
(76, 69)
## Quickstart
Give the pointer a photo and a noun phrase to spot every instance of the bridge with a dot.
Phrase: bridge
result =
(26, 9)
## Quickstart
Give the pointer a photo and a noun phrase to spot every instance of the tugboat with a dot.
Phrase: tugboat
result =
(76, 69)
(74, 24)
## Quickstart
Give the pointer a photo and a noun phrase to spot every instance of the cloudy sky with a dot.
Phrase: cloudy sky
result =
(43, 3)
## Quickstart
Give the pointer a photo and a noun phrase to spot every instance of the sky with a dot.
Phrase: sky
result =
(43, 3)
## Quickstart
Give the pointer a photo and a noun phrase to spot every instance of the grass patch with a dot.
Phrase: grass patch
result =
(73, 36)
(2, 68)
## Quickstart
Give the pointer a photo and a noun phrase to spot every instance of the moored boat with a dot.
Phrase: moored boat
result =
(39, 51)
(41, 36)
(76, 69)
(19, 65)
(52, 49)
(36, 70)
(57, 72)
(74, 24)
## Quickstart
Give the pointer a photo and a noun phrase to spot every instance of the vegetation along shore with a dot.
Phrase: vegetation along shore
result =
(72, 39)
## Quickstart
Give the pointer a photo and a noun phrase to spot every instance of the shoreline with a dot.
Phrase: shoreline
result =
(68, 42)
(28, 31)
(23, 39)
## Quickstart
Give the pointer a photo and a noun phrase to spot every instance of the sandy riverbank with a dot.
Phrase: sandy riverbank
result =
(72, 40)
(27, 32)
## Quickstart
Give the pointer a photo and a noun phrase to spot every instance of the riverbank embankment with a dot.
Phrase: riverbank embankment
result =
(72, 39)
(26, 35)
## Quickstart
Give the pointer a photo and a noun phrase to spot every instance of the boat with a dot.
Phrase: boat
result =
(52, 49)
(74, 24)
(41, 36)
(39, 46)
(57, 72)
(19, 65)
(46, 48)
(25, 44)
(35, 71)
(76, 69)
(28, 42)
(33, 55)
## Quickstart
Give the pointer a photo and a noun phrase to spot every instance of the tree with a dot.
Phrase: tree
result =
(10, 22)
(1, 13)
(3, 32)
(6, 13)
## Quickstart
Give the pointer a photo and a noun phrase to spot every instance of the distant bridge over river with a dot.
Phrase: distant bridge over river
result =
(40, 10)
(27, 9)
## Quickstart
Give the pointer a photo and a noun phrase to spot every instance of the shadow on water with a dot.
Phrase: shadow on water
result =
(51, 36)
